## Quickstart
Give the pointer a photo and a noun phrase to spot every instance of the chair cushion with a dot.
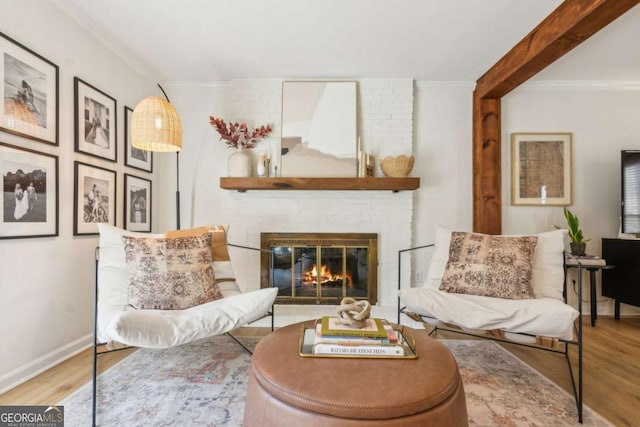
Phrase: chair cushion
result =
(168, 328)
(493, 266)
(170, 273)
(540, 316)
(547, 267)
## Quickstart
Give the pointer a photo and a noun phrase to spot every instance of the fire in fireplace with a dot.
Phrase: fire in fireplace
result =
(320, 268)
(326, 278)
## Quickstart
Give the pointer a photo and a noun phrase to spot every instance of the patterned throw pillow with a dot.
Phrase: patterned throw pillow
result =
(170, 273)
(490, 265)
(219, 250)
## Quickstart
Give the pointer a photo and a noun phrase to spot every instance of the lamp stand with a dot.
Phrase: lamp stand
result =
(177, 190)
(177, 172)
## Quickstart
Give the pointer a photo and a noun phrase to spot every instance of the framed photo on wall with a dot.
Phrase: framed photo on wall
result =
(541, 169)
(94, 198)
(29, 93)
(134, 157)
(137, 203)
(29, 193)
(95, 121)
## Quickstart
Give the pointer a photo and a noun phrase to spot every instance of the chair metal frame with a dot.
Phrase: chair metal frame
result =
(577, 384)
(97, 344)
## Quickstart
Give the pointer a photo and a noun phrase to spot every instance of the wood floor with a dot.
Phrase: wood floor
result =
(611, 370)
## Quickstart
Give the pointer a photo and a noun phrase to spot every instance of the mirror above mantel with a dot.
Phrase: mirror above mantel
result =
(319, 129)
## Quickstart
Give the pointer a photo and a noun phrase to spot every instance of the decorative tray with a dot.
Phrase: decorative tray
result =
(405, 341)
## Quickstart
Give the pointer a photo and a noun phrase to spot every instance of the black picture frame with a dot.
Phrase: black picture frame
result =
(137, 203)
(134, 157)
(95, 121)
(29, 92)
(94, 198)
(32, 211)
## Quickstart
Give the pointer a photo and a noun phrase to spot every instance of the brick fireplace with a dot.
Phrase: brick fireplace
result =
(320, 268)
(385, 114)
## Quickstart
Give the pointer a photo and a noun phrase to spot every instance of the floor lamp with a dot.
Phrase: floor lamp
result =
(155, 126)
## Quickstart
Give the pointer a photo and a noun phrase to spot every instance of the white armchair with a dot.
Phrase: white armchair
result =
(545, 321)
(157, 328)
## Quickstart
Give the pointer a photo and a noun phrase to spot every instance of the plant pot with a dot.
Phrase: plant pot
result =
(578, 249)
(239, 164)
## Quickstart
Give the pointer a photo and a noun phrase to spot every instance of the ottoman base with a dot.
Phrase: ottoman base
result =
(265, 410)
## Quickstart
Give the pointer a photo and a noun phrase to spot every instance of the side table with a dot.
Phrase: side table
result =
(592, 265)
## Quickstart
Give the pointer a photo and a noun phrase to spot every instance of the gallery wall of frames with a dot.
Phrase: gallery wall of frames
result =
(30, 109)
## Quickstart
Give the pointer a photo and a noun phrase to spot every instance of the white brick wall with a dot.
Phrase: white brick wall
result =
(386, 117)
(386, 128)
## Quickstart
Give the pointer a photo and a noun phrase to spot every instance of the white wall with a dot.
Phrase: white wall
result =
(46, 284)
(603, 118)
(443, 132)
(203, 159)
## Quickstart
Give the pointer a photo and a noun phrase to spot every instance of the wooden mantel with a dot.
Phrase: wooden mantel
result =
(388, 184)
(566, 27)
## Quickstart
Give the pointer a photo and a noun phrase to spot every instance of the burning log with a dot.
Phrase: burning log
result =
(326, 277)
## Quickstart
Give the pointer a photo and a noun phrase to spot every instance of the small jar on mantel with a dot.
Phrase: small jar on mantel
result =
(263, 164)
(239, 164)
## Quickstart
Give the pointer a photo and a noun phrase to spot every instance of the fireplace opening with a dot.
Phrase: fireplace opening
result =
(320, 268)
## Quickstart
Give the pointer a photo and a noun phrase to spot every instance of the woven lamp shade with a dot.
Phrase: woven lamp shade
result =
(155, 126)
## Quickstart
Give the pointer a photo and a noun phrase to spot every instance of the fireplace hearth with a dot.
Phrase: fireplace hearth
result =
(320, 268)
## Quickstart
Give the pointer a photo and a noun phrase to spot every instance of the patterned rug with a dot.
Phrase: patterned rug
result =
(204, 384)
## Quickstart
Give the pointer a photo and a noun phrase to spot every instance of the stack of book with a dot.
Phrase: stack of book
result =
(375, 339)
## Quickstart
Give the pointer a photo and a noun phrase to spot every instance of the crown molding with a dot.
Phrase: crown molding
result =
(179, 83)
(581, 85)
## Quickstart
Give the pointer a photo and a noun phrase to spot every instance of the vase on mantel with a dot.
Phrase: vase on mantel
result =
(239, 164)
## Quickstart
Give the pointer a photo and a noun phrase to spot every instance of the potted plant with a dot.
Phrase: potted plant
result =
(578, 242)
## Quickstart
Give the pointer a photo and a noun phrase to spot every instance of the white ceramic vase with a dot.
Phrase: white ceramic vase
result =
(239, 164)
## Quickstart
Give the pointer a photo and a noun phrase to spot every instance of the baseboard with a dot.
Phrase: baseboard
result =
(606, 307)
(29, 370)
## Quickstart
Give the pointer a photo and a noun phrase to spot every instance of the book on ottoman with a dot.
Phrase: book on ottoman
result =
(376, 338)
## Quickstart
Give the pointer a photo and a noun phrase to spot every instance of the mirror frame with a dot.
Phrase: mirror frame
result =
(312, 112)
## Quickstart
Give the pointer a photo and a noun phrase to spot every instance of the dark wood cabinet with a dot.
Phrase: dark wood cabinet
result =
(622, 282)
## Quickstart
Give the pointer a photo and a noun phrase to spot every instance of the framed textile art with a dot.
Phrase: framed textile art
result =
(541, 169)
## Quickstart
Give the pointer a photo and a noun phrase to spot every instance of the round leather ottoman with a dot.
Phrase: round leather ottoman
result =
(288, 390)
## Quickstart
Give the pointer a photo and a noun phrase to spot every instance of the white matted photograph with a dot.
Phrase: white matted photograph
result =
(94, 198)
(28, 93)
(137, 203)
(95, 121)
(541, 169)
(29, 193)
(134, 157)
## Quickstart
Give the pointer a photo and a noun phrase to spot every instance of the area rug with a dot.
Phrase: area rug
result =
(204, 384)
